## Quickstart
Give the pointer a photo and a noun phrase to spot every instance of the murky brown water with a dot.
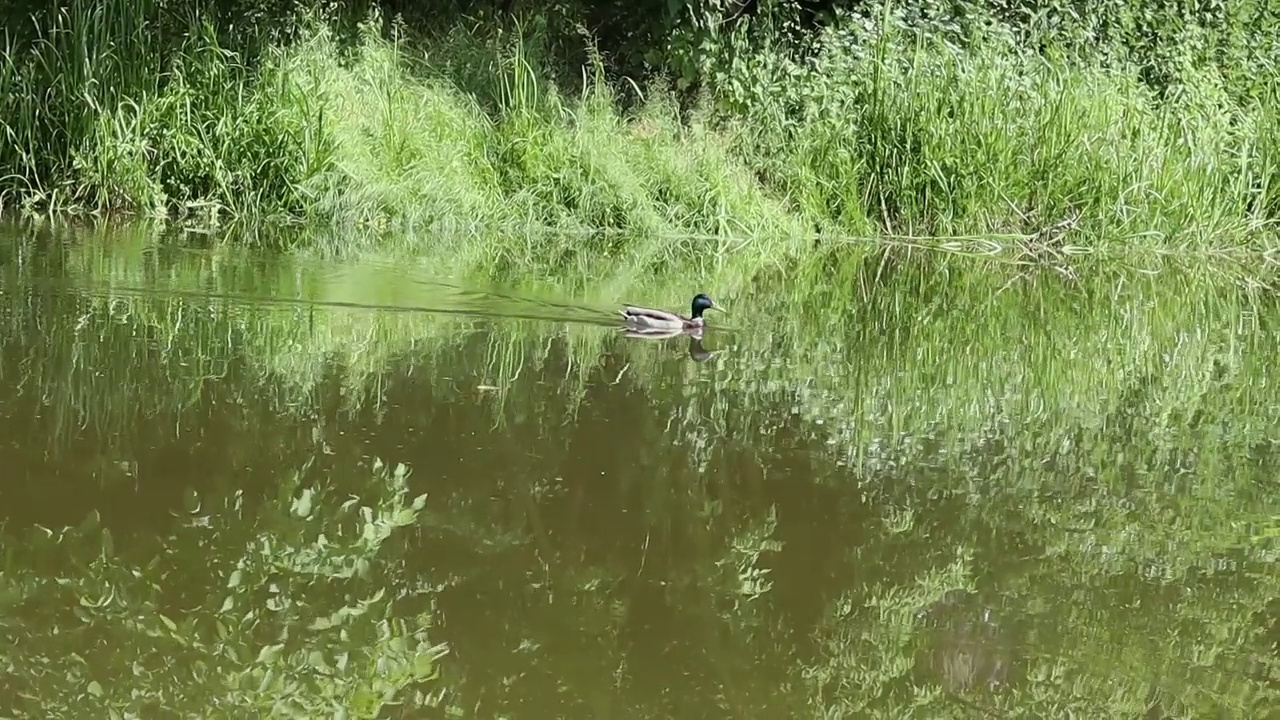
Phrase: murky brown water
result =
(951, 504)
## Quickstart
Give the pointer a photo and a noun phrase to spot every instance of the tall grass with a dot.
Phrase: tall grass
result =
(915, 136)
(54, 83)
(122, 106)
(880, 131)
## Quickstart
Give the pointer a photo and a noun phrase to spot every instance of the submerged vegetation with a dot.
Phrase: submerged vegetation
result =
(981, 126)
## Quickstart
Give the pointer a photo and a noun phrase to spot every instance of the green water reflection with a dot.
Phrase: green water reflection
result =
(944, 498)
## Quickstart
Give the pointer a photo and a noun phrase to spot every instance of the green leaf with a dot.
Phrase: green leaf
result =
(316, 660)
(423, 665)
(191, 501)
(91, 521)
(269, 654)
(302, 505)
(95, 689)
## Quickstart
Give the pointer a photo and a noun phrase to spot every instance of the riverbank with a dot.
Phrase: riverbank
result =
(990, 146)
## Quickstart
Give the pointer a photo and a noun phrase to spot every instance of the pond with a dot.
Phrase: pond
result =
(256, 483)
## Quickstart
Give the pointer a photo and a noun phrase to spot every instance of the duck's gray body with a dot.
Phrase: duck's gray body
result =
(643, 318)
(649, 318)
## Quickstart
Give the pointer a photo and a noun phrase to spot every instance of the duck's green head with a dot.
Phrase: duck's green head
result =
(702, 303)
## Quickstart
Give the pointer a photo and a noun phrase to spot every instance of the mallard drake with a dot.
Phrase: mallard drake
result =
(642, 318)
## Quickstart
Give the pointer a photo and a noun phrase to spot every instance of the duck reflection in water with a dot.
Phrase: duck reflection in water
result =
(697, 352)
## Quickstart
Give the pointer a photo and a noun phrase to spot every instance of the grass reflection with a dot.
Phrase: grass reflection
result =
(930, 490)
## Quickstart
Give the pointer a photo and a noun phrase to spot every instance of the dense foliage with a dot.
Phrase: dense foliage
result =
(1141, 119)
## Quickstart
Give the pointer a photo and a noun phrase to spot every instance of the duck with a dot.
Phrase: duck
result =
(642, 318)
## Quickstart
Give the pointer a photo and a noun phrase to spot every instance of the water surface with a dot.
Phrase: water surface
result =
(243, 483)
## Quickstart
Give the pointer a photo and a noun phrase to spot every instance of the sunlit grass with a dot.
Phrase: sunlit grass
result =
(914, 136)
